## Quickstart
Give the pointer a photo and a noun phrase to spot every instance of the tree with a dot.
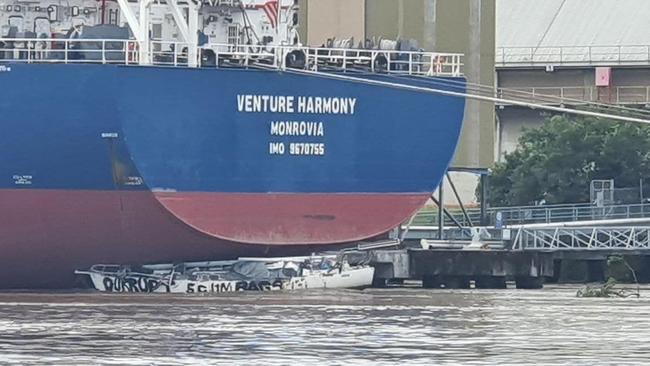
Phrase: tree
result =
(557, 161)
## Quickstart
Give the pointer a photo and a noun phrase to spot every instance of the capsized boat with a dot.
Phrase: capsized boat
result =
(246, 274)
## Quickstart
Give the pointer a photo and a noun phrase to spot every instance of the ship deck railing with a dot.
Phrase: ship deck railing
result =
(68, 51)
(171, 53)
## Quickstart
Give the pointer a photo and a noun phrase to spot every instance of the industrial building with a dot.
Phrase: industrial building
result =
(569, 53)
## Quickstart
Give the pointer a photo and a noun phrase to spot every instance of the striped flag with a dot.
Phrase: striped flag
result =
(272, 10)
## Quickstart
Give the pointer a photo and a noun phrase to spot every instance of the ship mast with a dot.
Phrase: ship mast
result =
(140, 26)
(188, 28)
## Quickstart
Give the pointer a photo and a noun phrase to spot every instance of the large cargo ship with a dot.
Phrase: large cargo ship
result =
(146, 144)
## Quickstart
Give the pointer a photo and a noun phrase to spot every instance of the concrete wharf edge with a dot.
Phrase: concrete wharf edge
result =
(451, 268)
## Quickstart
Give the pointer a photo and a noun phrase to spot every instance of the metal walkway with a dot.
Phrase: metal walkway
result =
(582, 239)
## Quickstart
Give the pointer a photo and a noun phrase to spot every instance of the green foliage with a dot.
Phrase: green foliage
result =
(608, 288)
(621, 270)
(557, 161)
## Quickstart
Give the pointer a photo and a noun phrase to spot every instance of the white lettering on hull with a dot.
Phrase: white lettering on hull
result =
(296, 128)
(253, 103)
(288, 129)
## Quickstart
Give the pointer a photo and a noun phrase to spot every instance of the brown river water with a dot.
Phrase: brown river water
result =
(374, 327)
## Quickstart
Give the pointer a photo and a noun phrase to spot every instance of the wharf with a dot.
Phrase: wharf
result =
(457, 268)
(566, 252)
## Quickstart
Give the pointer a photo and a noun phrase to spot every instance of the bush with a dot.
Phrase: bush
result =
(556, 162)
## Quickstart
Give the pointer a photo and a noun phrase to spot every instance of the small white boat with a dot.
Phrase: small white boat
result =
(246, 274)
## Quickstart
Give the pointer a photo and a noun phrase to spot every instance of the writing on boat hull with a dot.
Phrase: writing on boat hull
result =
(148, 284)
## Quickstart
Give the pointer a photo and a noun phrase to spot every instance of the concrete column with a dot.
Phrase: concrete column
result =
(471, 128)
(490, 282)
(430, 13)
(447, 282)
(529, 283)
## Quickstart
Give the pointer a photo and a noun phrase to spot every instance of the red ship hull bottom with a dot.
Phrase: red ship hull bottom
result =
(291, 219)
(46, 234)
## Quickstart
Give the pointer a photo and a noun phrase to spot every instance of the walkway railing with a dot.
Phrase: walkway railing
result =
(576, 95)
(539, 214)
(564, 213)
(574, 55)
(169, 53)
(599, 238)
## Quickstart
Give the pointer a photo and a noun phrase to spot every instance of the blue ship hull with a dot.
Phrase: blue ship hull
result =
(145, 164)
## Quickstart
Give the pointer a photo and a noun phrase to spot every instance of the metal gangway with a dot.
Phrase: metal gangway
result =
(601, 238)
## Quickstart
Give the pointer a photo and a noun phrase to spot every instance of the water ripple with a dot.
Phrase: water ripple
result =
(382, 327)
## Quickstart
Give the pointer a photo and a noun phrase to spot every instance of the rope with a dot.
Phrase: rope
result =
(474, 96)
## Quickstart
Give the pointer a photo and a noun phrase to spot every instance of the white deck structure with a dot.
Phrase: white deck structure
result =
(217, 33)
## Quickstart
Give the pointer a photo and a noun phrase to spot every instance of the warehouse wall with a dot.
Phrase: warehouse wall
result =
(578, 83)
(323, 19)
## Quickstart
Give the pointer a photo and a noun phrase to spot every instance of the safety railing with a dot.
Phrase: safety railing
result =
(40, 50)
(576, 95)
(566, 213)
(538, 214)
(429, 217)
(403, 62)
(170, 53)
(574, 55)
(335, 59)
